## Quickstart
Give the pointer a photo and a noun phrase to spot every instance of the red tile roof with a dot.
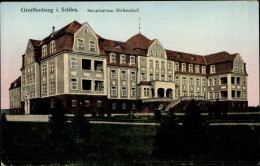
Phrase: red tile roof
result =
(140, 41)
(16, 83)
(218, 58)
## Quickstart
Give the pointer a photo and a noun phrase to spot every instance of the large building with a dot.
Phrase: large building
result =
(84, 70)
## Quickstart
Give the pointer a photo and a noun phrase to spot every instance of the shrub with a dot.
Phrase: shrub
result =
(157, 115)
(94, 114)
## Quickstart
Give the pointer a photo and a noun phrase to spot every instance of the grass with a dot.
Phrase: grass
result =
(28, 143)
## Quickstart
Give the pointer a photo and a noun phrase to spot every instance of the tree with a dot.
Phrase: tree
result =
(79, 134)
(168, 143)
(58, 130)
(195, 131)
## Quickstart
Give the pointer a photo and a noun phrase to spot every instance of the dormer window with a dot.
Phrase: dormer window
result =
(86, 31)
(183, 67)
(132, 60)
(212, 69)
(190, 68)
(92, 46)
(52, 47)
(118, 46)
(178, 56)
(192, 58)
(44, 51)
(203, 68)
(176, 66)
(123, 59)
(197, 68)
(112, 58)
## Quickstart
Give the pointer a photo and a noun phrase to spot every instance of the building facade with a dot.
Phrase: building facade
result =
(84, 70)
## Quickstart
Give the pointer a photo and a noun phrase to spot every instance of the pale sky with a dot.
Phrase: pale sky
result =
(194, 27)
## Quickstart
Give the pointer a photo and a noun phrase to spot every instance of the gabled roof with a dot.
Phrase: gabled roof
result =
(185, 57)
(219, 58)
(35, 43)
(16, 83)
(70, 28)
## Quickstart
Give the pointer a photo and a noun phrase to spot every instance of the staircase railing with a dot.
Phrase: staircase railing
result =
(183, 98)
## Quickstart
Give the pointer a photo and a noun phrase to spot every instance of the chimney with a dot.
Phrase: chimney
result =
(53, 29)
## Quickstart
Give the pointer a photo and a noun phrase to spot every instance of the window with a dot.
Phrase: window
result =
(123, 91)
(99, 103)
(191, 81)
(73, 62)
(92, 46)
(244, 94)
(191, 94)
(177, 81)
(184, 80)
(113, 105)
(74, 84)
(86, 64)
(210, 95)
(133, 76)
(204, 82)
(73, 102)
(198, 81)
(162, 54)
(86, 84)
(113, 74)
(123, 106)
(169, 65)
(241, 67)
(143, 62)
(169, 78)
(112, 58)
(215, 81)
(30, 79)
(52, 47)
(210, 82)
(239, 94)
(238, 80)
(151, 77)
(123, 75)
(190, 68)
(148, 92)
(113, 91)
(86, 31)
(176, 66)
(212, 69)
(162, 77)
(87, 103)
(151, 53)
(52, 104)
(183, 67)
(123, 59)
(203, 69)
(151, 63)
(52, 67)
(80, 44)
(52, 89)
(197, 68)
(44, 70)
(133, 106)
(143, 77)
(133, 92)
(132, 60)
(98, 65)
(236, 67)
(156, 53)
(156, 77)
(244, 81)
(157, 64)
(44, 51)
(162, 65)
(215, 95)
(44, 88)
(99, 86)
